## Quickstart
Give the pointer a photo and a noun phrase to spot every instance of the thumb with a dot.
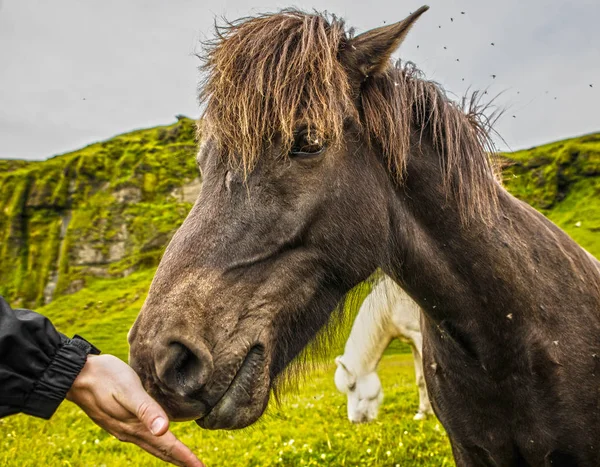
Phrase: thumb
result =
(146, 409)
(153, 417)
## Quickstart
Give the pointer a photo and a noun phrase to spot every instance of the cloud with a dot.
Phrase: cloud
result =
(77, 72)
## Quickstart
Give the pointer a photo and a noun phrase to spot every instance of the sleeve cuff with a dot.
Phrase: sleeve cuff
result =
(52, 387)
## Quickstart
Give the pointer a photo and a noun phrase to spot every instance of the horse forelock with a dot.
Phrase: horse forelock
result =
(267, 76)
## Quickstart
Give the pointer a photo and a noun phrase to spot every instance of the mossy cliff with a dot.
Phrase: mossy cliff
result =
(562, 180)
(102, 211)
(109, 209)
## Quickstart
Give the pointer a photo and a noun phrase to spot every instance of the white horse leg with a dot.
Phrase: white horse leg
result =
(424, 404)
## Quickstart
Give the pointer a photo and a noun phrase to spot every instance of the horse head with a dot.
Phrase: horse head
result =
(364, 392)
(293, 212)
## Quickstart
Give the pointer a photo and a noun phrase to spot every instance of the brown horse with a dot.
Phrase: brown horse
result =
(323, 161)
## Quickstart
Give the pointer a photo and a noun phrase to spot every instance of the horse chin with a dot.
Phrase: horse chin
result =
(246, 398)
(229, 415)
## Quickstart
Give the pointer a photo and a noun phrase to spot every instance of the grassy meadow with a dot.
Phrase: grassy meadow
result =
(309, 427)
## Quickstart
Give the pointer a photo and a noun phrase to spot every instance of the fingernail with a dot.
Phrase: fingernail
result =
(157, 424)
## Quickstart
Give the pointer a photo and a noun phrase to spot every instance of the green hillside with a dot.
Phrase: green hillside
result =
(103, 211)
(562, 180)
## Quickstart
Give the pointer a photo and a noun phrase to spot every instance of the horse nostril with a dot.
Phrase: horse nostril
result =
(184, 367)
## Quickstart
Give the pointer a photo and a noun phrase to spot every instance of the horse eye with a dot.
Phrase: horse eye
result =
(352, 387)
(306, 145)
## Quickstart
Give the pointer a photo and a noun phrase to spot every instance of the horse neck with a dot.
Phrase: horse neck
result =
(456, 271)
(372, 331)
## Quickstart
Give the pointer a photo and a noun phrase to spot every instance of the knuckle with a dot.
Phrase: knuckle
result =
(127, 432)
(167, 450)
(134, 431)
(123, 437)
(143, 410)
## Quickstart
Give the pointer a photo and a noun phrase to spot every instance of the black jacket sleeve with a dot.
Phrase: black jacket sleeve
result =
(37, 363)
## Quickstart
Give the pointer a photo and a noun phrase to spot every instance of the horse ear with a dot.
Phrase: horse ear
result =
(369, 53)
(340, 362)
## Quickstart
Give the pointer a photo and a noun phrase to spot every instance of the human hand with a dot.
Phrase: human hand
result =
(111, 394)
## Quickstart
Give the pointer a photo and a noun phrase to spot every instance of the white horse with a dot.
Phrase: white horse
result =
(387, 313)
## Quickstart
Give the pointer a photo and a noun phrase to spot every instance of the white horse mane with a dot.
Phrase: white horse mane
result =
(377, 323)
(385, 314)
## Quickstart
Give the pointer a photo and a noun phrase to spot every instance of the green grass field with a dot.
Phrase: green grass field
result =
(309, 427)
(313, 415)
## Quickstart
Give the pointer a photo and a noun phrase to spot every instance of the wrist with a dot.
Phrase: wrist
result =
(83, 379)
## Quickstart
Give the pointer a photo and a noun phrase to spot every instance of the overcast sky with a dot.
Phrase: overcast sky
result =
(73, 72)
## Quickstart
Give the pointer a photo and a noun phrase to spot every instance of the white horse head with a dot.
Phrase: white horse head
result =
(364, 392)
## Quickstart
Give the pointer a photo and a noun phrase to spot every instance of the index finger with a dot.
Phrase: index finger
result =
(169, 448)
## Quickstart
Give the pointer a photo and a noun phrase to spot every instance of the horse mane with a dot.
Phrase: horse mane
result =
(401, 100)
(317, 354)
(266, 76)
